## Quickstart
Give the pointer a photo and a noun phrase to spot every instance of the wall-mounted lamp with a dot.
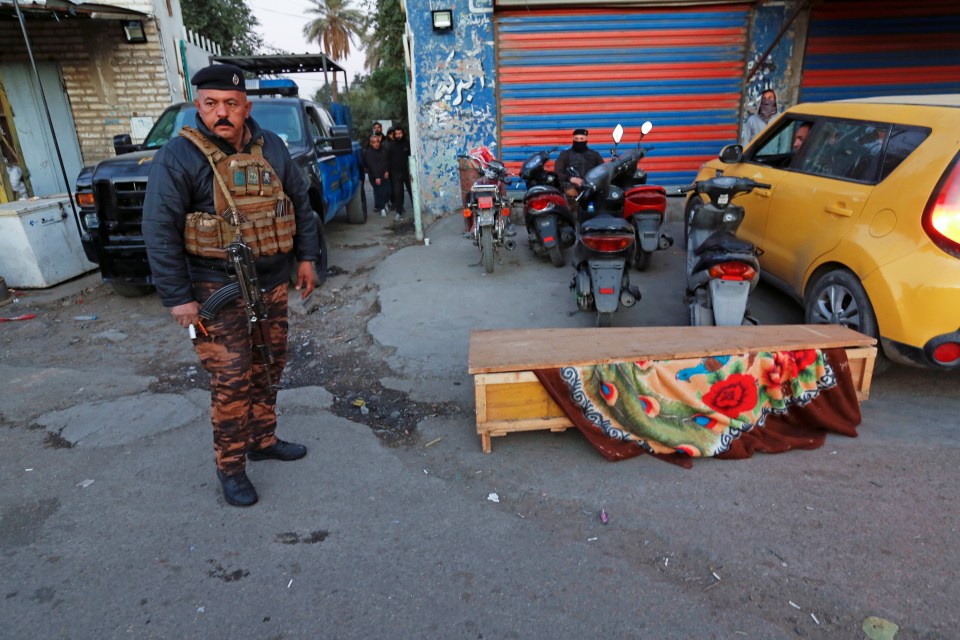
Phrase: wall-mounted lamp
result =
(133, 31)
(442, 19)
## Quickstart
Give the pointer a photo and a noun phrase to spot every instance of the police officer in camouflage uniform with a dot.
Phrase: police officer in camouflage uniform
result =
(182, 180)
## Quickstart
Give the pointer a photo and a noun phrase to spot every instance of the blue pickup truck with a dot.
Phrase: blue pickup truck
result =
(110, 193)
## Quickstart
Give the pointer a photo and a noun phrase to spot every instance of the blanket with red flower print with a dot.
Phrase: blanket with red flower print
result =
(721, 406)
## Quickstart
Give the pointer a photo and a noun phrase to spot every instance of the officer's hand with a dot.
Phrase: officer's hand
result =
(305, 279)
(576, 181)
(186, 314)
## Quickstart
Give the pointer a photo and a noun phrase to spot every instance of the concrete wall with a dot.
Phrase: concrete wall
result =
(781, 70)
(107, 80)
(454, 85)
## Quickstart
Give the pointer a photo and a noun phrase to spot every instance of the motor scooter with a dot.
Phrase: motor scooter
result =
(546, 214)
(722, 270)
(645, 206)
(605, 241)
(487, 210)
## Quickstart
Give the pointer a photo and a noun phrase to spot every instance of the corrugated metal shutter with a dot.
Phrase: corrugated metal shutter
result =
(681, 68)
(867, 48)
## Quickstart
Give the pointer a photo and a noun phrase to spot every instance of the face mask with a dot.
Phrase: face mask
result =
(579, 147)
(768, 108)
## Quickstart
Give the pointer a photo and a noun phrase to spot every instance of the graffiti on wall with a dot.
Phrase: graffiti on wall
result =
(774, 68)
(456, 97)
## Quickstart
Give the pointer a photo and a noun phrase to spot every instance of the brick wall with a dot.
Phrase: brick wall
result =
(107, 80)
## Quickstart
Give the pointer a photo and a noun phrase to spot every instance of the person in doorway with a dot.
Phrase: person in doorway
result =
(194, 180)
(574, 163)
(378, 172)
(757, 122)
(398, 163)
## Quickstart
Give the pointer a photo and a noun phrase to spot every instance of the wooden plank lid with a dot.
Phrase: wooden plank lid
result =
(493, 351)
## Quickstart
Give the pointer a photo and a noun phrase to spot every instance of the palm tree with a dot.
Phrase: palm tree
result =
(335, 25)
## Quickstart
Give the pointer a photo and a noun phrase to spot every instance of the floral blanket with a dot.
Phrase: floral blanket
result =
(715, 406)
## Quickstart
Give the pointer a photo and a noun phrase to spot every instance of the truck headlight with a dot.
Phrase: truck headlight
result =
(90, 220)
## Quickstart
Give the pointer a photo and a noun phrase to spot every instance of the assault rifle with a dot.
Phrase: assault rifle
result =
(246, 286)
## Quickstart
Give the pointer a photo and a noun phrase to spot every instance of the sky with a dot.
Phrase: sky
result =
(281, 25)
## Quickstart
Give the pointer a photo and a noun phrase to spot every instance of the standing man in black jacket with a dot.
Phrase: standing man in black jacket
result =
(398, 163)
(375, 160)
(227, 155)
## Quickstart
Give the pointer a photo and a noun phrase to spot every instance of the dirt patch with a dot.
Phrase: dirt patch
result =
(94, 328)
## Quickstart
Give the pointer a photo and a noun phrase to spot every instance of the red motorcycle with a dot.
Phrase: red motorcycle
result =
(487, 211)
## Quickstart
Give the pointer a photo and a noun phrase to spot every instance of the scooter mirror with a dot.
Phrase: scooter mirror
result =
(617, 134)
(646, 127)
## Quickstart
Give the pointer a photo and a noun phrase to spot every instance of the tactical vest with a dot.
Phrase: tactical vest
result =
(249, 200)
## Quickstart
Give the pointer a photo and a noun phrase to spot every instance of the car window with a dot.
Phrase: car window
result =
(901, 143)
(843, 149)
(170, 122)
(316, 123)
(283, 118)
(325, 119)
(775, 148)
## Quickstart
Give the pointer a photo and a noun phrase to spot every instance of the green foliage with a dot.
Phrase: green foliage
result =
(384, 50)
(382, 94)
(229, 23)
(335, 25)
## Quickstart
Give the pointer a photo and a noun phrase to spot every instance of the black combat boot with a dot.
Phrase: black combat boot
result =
(237, 489)
(279, 450)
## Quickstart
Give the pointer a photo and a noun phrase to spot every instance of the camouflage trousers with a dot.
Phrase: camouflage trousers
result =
(242, 406)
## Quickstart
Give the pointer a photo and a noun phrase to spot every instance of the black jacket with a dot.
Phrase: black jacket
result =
(398, 157)
(375, 161)
(180, 182)
(582, 162)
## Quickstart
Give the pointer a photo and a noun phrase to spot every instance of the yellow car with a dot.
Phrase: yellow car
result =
(862, 221)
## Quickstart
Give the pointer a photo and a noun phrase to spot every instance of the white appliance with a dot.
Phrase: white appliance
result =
(39, 243)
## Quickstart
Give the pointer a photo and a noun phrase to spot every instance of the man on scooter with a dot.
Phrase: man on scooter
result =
(581, 159)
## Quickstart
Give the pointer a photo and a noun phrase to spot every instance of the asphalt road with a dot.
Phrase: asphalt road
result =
(124, 534)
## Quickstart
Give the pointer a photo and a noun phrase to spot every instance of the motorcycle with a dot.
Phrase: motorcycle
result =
(722, 270)
(644, 207)
(605, 241)
(487, 210)
(546, 214)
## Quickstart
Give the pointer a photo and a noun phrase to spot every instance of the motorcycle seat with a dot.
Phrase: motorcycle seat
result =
(540, 190)
(606, 224)
(724, 241)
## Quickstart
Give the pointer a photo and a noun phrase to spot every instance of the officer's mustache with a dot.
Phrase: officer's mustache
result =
(223, 122)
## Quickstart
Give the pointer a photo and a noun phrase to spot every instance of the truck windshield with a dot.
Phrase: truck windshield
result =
(283, 118)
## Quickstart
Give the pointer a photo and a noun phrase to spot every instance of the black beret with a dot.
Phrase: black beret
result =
(225, 77)
(579, 132)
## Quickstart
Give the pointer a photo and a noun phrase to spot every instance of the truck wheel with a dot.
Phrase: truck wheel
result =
(127, 290)
(320, 266)
(356, 212)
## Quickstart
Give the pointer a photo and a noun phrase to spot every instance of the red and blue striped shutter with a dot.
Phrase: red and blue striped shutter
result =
(866, 48)
(680, 68)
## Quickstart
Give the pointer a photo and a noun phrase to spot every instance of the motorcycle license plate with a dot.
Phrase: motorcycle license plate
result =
(486, 216)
